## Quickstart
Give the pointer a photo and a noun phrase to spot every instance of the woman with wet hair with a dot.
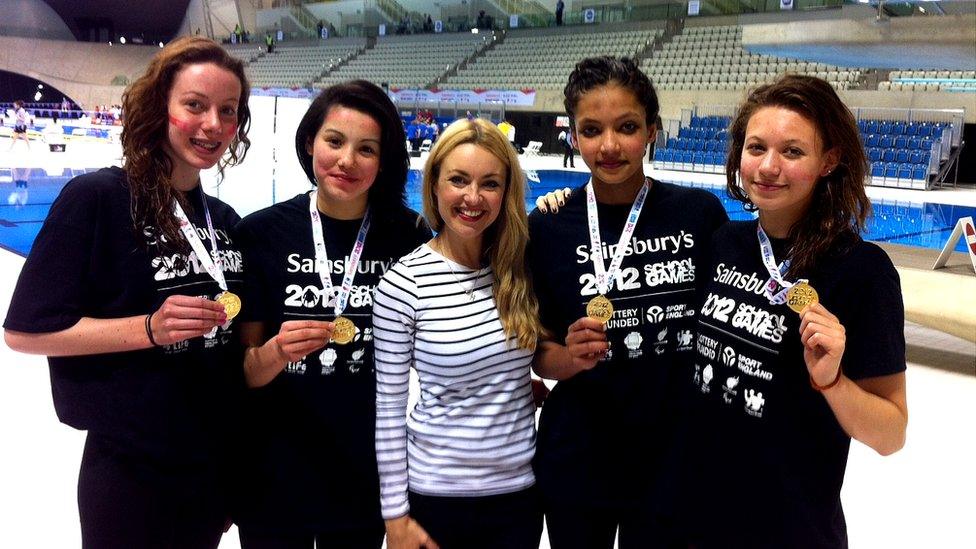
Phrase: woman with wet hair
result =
(616, 271)
(130, 289)
(800, 344)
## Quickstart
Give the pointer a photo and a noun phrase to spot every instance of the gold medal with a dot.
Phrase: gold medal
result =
(231, 303)
(344, 330)
(600, 308)
(800, 295)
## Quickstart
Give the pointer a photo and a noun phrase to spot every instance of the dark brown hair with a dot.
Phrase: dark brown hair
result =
(387, 195)
(145, 105)
(839, 206)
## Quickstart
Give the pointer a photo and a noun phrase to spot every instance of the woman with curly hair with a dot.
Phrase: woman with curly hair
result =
(130, 292)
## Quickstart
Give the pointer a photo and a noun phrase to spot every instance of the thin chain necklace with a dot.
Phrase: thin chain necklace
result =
(448, 261)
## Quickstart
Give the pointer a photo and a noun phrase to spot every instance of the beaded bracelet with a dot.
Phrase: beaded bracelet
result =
(823, 388)
(149, 329)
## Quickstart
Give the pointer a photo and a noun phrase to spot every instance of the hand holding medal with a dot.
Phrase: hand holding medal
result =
(824, 340)
(586, 342)
(183, 317)
(297, 338)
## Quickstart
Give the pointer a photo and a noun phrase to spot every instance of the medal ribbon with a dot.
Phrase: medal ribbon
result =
(604, 277)
(322, 257)
(210, 260)
(777, 286)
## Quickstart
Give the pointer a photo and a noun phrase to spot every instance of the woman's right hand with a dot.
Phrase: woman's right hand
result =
(298, 338)
(586, 341)
(182, 317)
(406, 533)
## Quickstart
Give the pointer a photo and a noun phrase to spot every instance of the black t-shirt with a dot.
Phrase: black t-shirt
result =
(765, 455)
(172, 404)
(601, 431)
(309, 458)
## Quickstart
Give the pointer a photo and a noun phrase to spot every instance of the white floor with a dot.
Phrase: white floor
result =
(920, 497)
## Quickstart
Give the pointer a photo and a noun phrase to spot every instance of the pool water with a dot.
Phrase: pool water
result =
(928, 225)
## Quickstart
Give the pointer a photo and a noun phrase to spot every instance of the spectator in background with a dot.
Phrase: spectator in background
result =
(23, 118)
(560, 5)
(238, 34)
(269, 41)
(566, 140)
(318, 29)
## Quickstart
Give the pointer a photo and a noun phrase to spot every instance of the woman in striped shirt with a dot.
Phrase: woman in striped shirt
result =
(460, 310)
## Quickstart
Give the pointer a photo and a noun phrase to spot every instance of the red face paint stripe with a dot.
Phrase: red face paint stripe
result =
(180, 125)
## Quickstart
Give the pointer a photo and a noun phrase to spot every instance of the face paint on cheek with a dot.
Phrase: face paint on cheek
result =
(185, 127)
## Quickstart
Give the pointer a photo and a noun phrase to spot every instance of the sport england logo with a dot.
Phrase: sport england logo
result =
(655, 314)
(728, 357)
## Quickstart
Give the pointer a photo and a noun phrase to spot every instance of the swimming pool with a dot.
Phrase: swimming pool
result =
(924, 224)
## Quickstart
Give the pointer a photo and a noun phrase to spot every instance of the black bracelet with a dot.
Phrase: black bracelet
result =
(149, 329)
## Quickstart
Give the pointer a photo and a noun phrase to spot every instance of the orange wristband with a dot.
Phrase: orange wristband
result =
(823, 388)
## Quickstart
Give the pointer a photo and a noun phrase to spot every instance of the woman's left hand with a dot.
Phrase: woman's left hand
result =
(824, 339)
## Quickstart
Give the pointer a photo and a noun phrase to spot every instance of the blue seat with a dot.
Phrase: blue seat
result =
(904, 171)
(898, 128)
(872, 126)
(901, 142)
(915, 157)
(874, 154)
(685, 157)
(885, 127)
(914, 143)
(901, 155)
(888, 155)
(659, 155)
(684, 132)
(877, 169)
(872, 140)
(891, 170)
(911, 129)
(927, 144)
(672, 142)
(920, 173)
(698, 158)
(886, 142)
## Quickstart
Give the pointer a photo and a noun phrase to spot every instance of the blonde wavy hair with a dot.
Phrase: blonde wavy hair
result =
(505, 241)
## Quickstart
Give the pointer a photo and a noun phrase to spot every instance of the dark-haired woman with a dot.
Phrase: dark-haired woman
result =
(633, 248)
(800, 343)
(130, 290)
(308, 460)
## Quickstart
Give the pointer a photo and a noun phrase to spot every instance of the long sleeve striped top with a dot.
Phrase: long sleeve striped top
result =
(472, 430)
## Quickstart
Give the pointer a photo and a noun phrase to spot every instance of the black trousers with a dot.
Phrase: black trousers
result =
(363, 538)
(568, 154)
(584, 527)
(126, 502)
(510, 521)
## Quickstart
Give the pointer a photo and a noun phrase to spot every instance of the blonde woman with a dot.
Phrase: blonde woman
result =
(460, 310)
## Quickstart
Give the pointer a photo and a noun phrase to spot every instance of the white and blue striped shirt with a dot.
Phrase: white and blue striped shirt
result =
(472, 431)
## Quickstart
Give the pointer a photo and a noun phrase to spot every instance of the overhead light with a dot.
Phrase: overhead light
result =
(110, 43)
(160, 44)
(474, 30)
(921, 9)
(40, 86)
(37, 96)
(121, 40)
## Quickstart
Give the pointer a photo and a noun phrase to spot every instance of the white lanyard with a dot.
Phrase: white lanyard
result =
(210, 260)
(604, 277)
(322, 257)
(777, 286)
